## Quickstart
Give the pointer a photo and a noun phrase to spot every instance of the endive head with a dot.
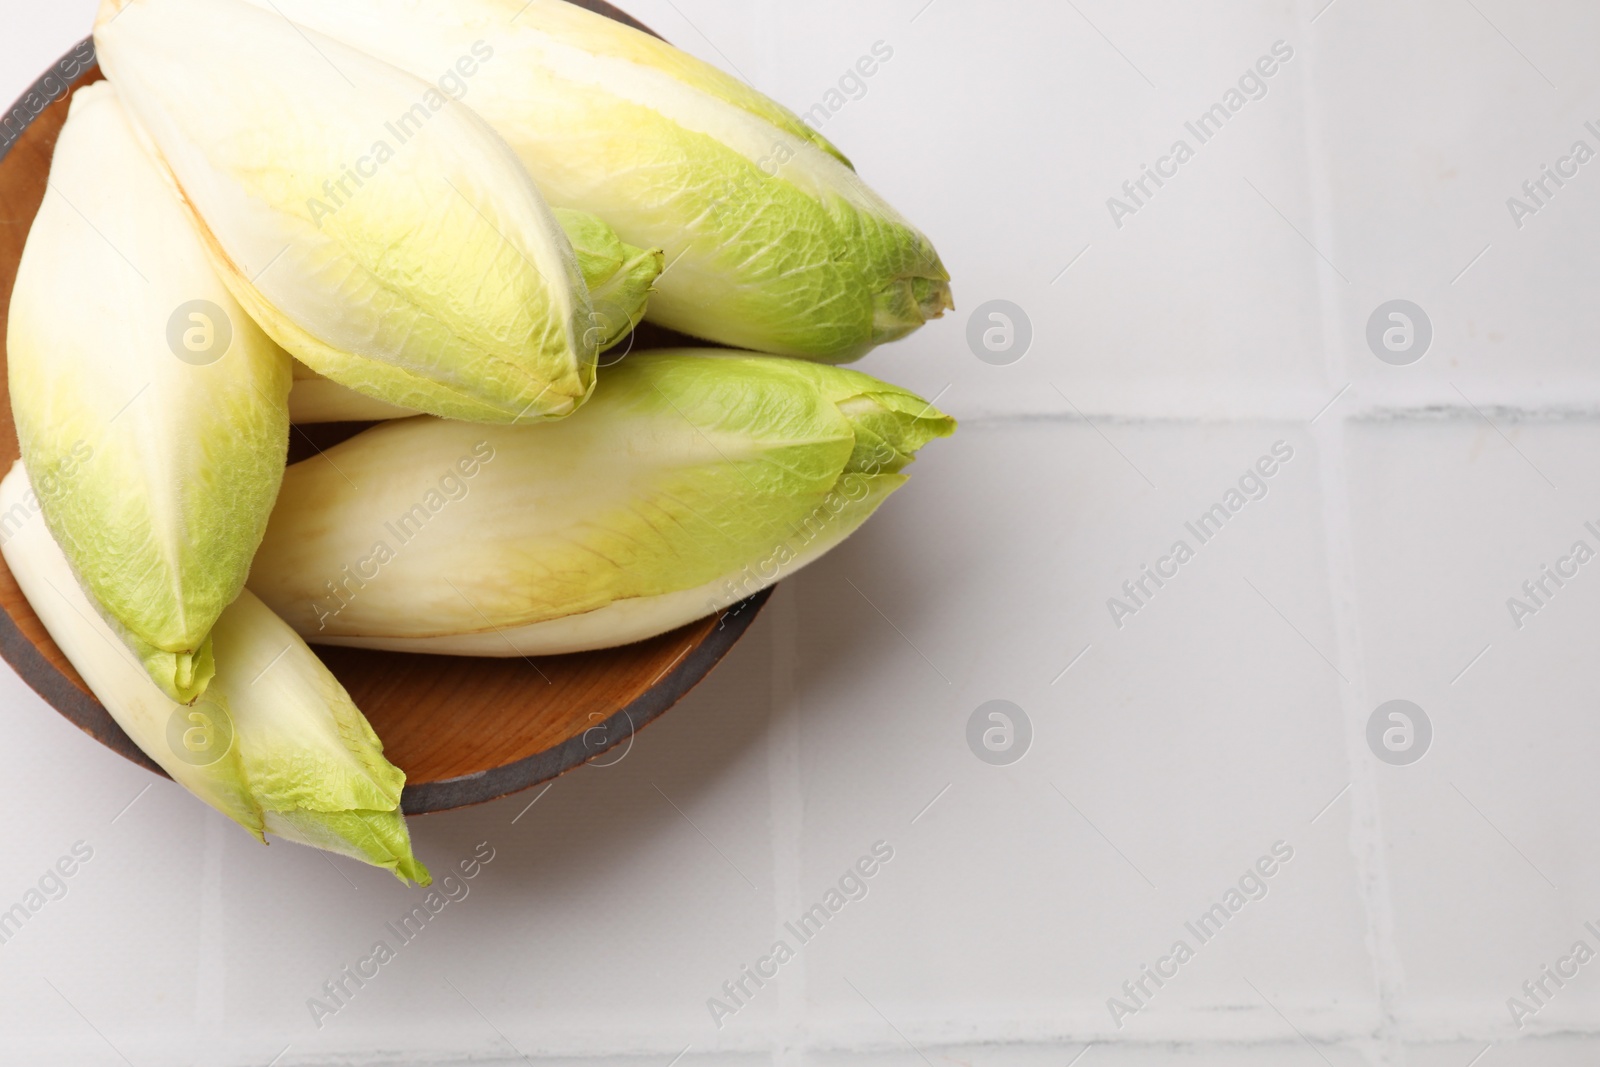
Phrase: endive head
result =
(376, 228)
(152, 407)
(275, 744)
(773, 242)
(313, 763)
(781, 246)
(688, 471)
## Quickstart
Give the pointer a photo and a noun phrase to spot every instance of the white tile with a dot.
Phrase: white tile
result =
(1205, 296)
(1432, 115)
(1162, 766)
(1488, 854)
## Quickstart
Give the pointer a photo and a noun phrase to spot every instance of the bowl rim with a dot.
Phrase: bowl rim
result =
(689, 671)
(90, 716)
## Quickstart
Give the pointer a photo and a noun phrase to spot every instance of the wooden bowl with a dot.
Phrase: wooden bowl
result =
(464, 730)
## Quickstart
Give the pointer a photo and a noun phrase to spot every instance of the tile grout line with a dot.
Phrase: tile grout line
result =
(1366, 837)
(788, 819)
(1294, 405)
(1366, 826)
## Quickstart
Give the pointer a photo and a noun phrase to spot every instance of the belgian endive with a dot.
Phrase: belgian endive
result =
(151, 407)
(275, 744)
(773, 242)
(379, 231)
(690, 481)
(619, 277)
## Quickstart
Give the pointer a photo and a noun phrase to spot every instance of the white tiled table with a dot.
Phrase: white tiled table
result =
(1228, 714)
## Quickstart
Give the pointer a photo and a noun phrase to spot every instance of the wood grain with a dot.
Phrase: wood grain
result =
(464, 730)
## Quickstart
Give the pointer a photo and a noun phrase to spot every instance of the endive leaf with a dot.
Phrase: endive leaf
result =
(772, 241)
(690, 481)
(318, 399)
(618, 276)
(379, 231)
(153, 408)
(276, 743)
